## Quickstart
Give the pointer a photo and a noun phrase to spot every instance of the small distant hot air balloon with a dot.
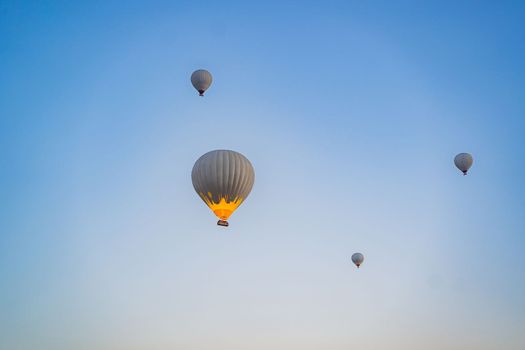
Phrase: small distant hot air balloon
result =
(463, 162)
(223, 179)
(201, 80)
(357, 259)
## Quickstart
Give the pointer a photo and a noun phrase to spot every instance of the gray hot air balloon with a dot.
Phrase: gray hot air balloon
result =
(463, 162)
(201, 80)
(357, 259)
(223, 179)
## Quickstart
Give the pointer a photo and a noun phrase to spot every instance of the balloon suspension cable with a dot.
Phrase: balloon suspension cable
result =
(223, 223)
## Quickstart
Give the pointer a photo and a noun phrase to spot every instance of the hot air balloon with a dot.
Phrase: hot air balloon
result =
(463, 162)
(201, 80)
(223, 179)
(357, 259)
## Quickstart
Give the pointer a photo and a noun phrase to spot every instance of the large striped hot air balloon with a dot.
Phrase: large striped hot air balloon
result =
(201, 80)
(223, 179)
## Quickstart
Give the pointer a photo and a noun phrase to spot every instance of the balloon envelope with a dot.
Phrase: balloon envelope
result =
(223, 179)
(201, 80)
(463, 162)
(357, 259)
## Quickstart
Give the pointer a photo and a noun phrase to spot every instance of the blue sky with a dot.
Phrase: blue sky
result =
(351, 113)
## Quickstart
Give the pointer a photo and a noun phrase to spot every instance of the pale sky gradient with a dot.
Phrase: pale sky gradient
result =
(351, 113)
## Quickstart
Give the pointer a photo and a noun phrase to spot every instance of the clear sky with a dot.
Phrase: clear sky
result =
(351, 113)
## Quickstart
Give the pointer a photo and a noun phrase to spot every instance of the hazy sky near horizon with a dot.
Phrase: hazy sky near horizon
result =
(351, 113)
